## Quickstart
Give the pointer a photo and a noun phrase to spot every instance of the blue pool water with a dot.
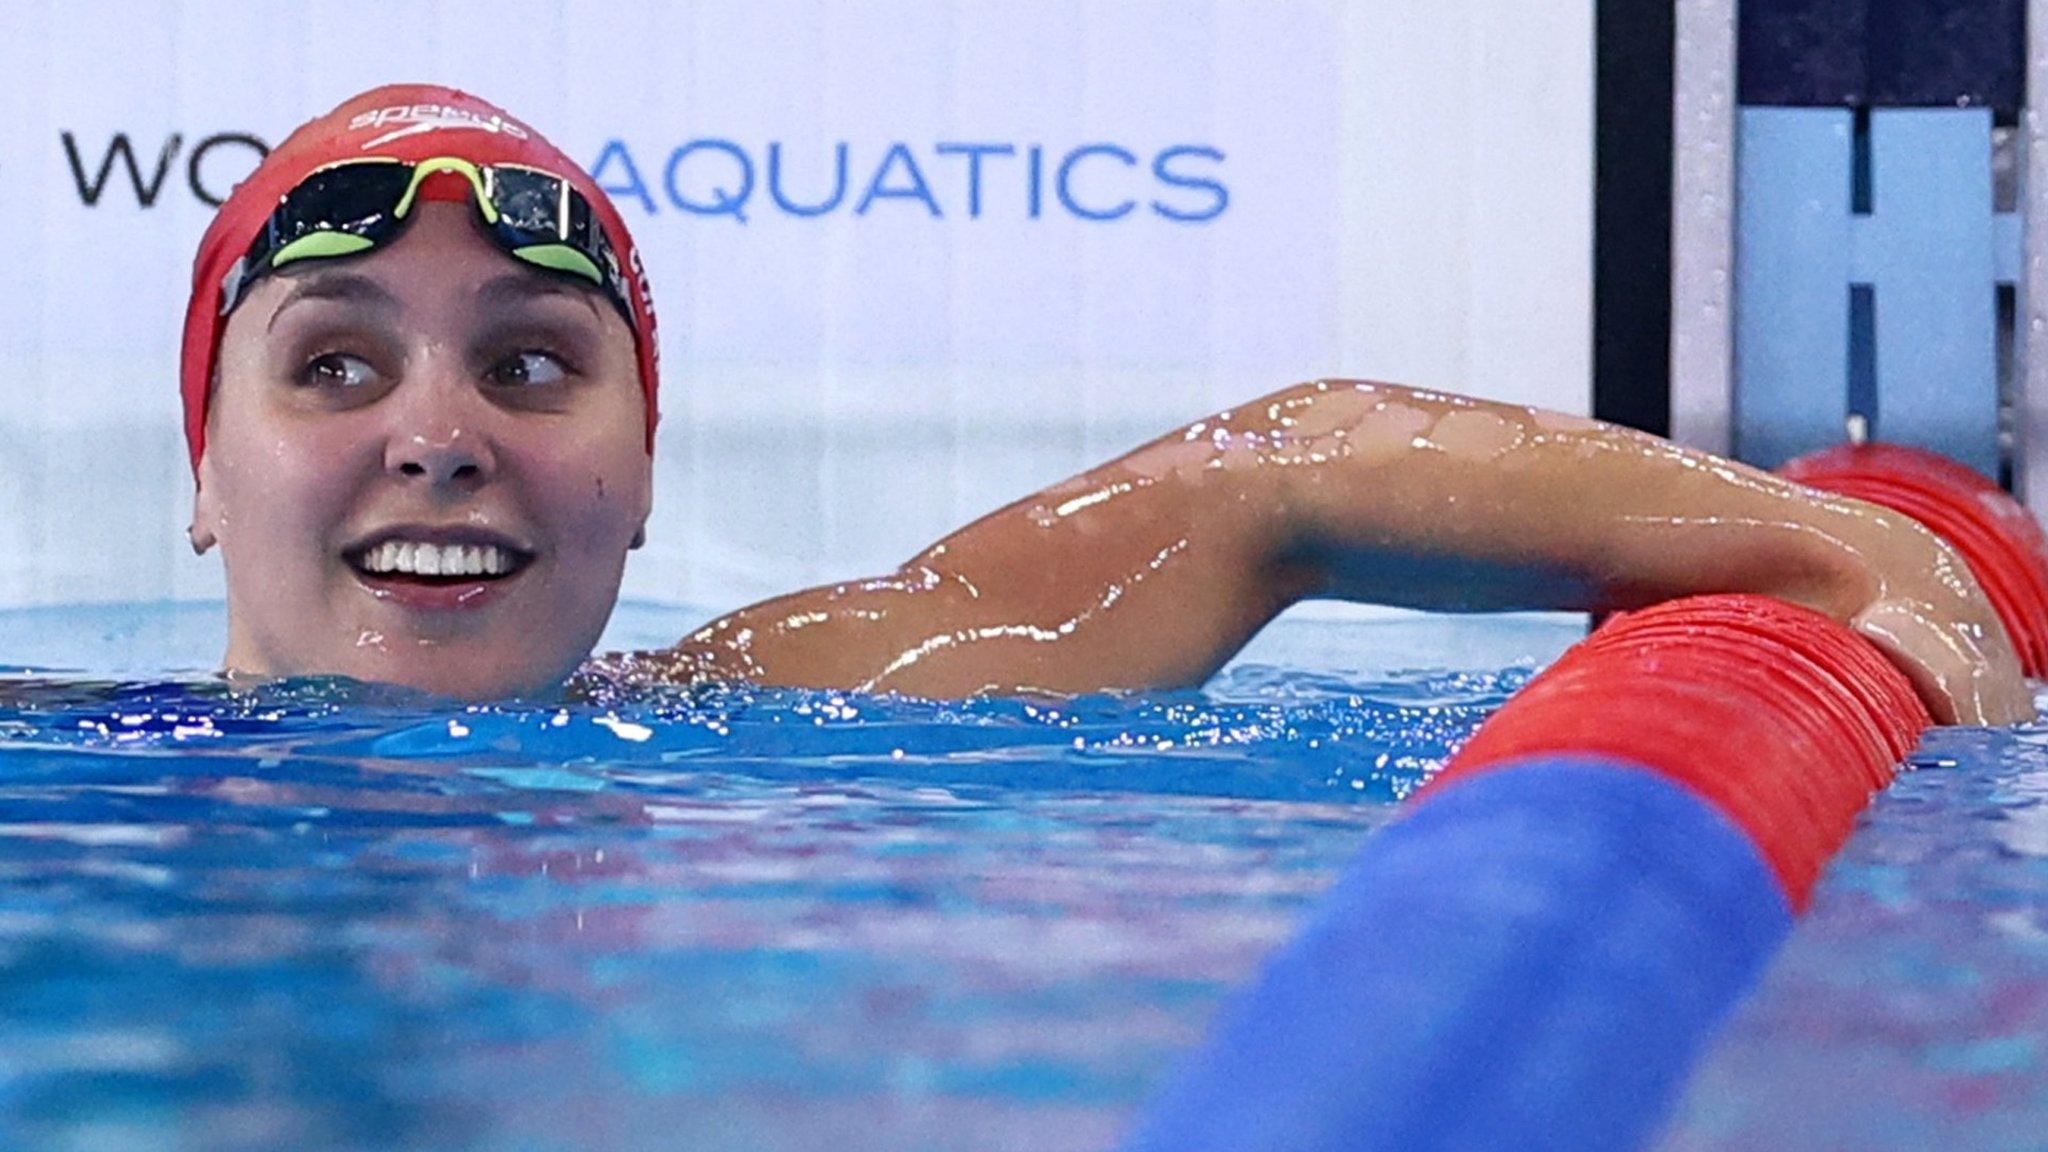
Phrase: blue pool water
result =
(317, 917)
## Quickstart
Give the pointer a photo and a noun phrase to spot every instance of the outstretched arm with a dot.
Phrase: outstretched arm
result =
(1153, 569)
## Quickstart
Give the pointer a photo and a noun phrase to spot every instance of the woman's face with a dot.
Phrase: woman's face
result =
(423, 466)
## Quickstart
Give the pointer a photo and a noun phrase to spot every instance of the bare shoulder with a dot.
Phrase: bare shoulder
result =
(853, 635)
(719, 652)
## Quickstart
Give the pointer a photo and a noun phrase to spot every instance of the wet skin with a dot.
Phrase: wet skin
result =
(1153, 569)
(435, 391)
(436, 387)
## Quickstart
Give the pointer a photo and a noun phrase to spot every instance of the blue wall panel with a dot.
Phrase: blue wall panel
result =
(1791, 281)
(1929, 249)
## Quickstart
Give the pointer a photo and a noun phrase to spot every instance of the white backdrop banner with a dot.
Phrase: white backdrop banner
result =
(912, 259)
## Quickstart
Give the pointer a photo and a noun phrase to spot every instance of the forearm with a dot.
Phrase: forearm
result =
(1507, 507)
(1402, 496)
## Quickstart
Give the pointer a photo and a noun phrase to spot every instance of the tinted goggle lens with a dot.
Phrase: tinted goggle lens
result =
(532, 202)
(358, 199)
(349, 208)
(545, 221)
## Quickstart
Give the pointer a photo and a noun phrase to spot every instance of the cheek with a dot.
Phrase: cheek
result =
(594, 499)
(278, 482)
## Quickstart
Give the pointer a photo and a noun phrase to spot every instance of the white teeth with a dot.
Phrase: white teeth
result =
(418, 559)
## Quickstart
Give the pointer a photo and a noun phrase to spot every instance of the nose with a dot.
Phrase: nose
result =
(456, 459)
(439, 440)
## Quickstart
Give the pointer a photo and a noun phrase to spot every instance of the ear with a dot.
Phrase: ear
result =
(204, 531)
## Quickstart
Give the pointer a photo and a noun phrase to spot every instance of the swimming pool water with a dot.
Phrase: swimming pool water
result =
(319, 917)
(1909, 1010)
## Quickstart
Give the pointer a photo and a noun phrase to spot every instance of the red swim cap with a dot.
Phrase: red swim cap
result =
(409, 122)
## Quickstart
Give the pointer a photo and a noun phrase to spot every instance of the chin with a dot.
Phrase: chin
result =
(473, 678)
(449, 672)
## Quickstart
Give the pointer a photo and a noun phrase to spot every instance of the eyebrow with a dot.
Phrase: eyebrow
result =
(519, 287)
(344, 286)
(498, 292)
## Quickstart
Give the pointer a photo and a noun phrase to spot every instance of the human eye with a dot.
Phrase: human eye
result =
(529, 368)
(337, 370)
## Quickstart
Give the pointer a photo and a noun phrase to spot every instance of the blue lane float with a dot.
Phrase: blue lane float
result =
(1535, 954)
(1530, 959)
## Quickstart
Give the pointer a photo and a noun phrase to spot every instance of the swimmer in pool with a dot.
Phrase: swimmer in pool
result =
(420, 391)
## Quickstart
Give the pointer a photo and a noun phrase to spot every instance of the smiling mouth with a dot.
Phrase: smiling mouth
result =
(420, 562)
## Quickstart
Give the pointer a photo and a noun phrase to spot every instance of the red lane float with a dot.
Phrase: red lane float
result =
(2005, 548)
(1784, 720)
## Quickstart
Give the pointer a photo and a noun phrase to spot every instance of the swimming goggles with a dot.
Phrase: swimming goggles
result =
(356, 205)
